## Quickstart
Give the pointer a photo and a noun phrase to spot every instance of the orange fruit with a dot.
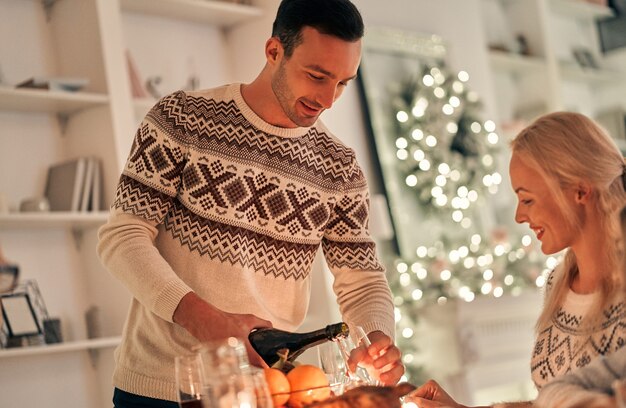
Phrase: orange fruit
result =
(278, 385)
(308, 384)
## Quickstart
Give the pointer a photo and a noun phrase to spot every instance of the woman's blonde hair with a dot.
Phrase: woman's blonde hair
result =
(570, 149)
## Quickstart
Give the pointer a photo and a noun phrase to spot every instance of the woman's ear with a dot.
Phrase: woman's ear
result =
(583, 193)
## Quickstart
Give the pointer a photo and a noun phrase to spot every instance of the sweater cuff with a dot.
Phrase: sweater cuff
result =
(166, 303)
(379, 323)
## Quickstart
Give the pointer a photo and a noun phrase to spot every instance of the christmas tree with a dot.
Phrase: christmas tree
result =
(447, 156)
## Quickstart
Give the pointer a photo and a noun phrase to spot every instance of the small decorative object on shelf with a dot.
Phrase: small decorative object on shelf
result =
(584, 58)
(54, 84)
(23, 316)
(136, 83)
(522, 45)
(35, 204)
(518, 46)
(92, 321)
(9, 274)
(52, 330)
(151, 85)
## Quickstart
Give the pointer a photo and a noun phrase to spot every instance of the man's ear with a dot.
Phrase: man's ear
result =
(273, 50)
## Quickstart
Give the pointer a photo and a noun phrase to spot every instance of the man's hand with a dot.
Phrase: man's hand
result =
(207, 323)
(383, 356)
(386, 358)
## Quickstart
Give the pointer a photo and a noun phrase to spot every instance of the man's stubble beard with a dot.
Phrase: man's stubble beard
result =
(284, 95)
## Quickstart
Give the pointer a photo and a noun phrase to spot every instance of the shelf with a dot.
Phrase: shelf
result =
(515, 63)
(573, 72)
(66, 347)
(203, 11)
(580, 9)
(35, 100)
(52, 220)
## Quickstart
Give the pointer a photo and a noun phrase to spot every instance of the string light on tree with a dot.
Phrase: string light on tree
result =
(458, 141)
(447, 158)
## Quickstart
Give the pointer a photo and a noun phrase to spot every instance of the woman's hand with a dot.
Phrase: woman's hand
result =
(431, 395)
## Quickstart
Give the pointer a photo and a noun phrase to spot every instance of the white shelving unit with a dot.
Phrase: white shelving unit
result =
(70, 220)
(85, 39)
(575, 73)
(67, 347)
(516, 64)
(32, 100)
(550, 78)
(207, 12)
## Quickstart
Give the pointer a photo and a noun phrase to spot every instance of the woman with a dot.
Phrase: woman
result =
(568, 176)
(592, 385)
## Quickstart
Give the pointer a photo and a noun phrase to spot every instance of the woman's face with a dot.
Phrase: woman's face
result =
(537, 206)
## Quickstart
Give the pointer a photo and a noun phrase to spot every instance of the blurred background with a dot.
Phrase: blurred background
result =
(442, 88)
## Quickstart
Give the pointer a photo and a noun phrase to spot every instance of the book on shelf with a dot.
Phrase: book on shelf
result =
(54, 83)
(75, 185)
(87, 185)
(96, 188)
(65, 183)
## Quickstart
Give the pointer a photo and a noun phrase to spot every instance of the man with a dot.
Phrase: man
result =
(225, 199)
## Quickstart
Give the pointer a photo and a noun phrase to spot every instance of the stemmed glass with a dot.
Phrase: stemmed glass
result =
(619, 389)
(332, 363)
(228, 374)
(261, 389)
(189, 381)
(355, 347)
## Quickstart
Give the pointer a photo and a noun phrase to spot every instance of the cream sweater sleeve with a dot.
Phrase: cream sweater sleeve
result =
(360, 283)
(126, 241)
(127, 251)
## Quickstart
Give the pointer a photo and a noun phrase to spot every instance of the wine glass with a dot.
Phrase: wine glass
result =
(261, 389)
(354, 349)
(332, 363)
(189, 381)
(619, 389)
(228, 374)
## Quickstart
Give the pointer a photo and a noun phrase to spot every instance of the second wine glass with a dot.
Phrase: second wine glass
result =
(332, 363)
(190, 381)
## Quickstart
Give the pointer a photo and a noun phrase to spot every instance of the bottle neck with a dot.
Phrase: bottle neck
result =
(336, 330)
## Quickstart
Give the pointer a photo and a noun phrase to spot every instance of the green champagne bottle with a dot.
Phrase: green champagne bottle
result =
(268, 341)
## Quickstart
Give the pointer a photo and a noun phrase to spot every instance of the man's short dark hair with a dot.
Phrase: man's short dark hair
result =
(339, 18)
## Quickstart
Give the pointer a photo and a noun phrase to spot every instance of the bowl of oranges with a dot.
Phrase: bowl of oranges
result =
(302, 385)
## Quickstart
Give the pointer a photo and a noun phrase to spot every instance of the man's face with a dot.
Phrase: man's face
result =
(311, 80)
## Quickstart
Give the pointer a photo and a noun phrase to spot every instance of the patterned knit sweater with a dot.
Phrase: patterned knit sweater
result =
(563, 346)
(215, 200)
